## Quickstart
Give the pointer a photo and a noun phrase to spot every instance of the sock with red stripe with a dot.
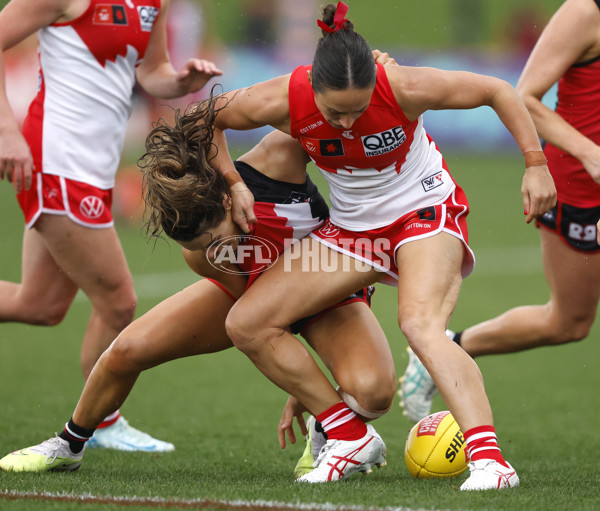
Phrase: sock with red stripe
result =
(482, 444)
(340, 423)
(110, 420)
(76, 436)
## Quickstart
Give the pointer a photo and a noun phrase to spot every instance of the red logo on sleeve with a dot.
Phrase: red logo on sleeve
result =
(329, 147)
(107, 14)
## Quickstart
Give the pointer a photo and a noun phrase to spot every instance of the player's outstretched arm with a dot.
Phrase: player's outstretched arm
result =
(156, 74)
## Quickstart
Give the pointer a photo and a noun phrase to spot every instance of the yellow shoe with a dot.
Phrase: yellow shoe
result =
(314, 441)
(53, 454)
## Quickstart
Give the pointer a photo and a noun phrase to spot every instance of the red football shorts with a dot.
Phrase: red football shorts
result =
(55, 195)
(378, 247)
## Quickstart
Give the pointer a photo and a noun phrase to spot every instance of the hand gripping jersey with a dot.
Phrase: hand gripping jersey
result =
(579, 105)
(285, 212)
(76, 124)
(384, 167)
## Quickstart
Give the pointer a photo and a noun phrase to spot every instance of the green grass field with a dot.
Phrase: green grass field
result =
(222, 414)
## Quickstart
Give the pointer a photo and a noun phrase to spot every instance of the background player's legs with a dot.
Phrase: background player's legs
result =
(93, 260)
(574, 280)
(45, 292)
(60, 256)
(192, 322)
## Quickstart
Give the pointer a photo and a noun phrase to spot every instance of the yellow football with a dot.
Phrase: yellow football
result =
(435, 447)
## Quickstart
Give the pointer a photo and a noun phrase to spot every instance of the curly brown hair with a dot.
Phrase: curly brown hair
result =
(182, 191)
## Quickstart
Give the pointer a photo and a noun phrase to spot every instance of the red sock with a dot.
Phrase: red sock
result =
(341, 423)
(482, 444)
(110, 420)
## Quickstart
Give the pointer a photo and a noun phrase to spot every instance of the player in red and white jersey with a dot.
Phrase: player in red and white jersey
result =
(383, 167)
(191, 203)
(568, 52)
(362, 126)
(64, 163)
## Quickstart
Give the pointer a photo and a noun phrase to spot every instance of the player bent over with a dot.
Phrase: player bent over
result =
(191, 203)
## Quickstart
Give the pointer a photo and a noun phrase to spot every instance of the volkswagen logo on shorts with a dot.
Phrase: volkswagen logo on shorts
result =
(329, 230)
(91, 207)
(242, 255)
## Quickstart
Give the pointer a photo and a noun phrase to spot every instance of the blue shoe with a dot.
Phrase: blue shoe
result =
(416, 389)
(123, 437)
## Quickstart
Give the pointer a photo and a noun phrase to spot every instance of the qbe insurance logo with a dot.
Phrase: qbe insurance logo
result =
(242, 255)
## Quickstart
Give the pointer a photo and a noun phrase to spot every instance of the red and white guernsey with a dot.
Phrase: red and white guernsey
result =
(382, 168)
(579, 105)
(285, 212)
(76, 124)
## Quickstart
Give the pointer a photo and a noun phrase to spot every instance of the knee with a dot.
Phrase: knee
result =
(415, 326)
(120, 309)
(239, 328)
(125, 355)
(368, 405)
(370, 397)
(247, 331)
(572, 330)
(51, 314)
(369, 393)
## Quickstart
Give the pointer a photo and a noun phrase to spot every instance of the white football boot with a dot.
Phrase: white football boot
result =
(416, 389)
(52, 454)
(490, 475)
(123, 437)
(339, 459)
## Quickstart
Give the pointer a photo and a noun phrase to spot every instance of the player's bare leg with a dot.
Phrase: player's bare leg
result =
(45, 292)
(93, 260)
(188, 323)
(59, 257)
(262, 333)
(286, 294)
(574, 280)
(426, 300)
(191, 322)
(351, 343)
(428, 287)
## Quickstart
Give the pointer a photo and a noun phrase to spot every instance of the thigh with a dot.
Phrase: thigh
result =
(350, 342)
(430, 278)
(41, 277)
(573, 277)
(313, 278)
(92, 258)
(191, 322)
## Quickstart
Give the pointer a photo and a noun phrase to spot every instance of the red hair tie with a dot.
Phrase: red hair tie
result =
(338, 19)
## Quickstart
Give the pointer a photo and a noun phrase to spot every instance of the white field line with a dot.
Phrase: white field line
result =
(248, 505)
